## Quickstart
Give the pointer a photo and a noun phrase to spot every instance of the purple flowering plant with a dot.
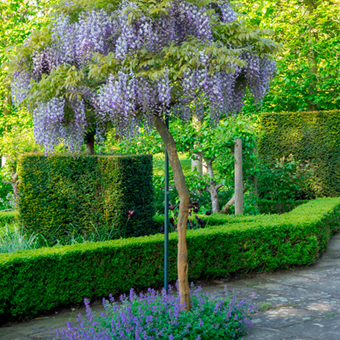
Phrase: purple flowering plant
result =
(157, 315)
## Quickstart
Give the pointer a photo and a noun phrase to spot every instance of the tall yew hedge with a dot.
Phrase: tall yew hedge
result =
(308, 136)
(88, 193)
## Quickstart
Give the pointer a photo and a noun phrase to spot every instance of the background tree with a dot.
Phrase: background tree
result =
(139, 61)
(307, 66)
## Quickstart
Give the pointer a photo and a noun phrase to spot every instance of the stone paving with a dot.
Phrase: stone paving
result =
(302, 304)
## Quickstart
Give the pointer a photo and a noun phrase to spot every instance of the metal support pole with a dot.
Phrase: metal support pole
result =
(238, 177)
(166, 219)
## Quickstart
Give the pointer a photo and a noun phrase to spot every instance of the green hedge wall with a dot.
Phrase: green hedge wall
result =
(86, 191)
(311, 136)
(37, 280)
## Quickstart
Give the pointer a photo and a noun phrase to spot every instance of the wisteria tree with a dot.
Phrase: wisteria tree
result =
(132, 61)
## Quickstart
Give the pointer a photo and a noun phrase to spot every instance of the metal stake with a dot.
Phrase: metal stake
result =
(166, 219)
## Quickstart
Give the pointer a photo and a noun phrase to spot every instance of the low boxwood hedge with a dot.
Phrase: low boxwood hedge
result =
(37, 280)
(7, 217)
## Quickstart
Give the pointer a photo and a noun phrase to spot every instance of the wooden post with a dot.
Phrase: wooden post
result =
(238, 177)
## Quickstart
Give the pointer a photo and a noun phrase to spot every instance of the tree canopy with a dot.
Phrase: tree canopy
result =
(123, 62)
(309, 62)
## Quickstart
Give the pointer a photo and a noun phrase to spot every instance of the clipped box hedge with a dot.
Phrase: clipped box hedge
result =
(85, 192)
(308, 136)
(37, 280)
(7, 217)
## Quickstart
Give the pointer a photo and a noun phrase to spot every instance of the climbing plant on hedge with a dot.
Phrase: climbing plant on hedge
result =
(86, 192)
(312, 137)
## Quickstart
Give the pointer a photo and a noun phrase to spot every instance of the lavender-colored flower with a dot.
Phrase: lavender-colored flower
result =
(131, 96)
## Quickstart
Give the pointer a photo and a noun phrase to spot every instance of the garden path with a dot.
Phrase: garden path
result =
(301, 304)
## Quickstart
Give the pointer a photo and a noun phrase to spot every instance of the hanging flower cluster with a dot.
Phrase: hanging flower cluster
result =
(130, 95)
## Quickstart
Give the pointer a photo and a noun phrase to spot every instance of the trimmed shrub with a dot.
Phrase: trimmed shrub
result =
(42, 279)
(60, 191)
(7, 217)
(308, 136)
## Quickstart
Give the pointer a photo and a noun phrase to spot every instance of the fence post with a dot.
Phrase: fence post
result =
(238, 177)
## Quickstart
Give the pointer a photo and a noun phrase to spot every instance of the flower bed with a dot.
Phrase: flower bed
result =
(161, 316)
(36, 280)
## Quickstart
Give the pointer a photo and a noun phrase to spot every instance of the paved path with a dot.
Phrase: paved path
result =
(303, 304)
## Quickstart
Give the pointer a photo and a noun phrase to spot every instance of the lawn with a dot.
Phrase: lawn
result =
(158, 163)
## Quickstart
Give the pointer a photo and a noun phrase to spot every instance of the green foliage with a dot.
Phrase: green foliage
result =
(213, 143)
(307, 66)
(7, 217)
(58, 193)
(67, 274)
(309, 136)
(15, 239)
(18, 19)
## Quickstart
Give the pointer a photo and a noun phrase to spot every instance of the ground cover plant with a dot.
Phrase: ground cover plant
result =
(157, 315)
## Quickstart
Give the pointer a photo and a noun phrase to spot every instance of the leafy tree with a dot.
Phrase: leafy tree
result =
(17, 20)
(215, 146)
(123, 63)
(307, 66)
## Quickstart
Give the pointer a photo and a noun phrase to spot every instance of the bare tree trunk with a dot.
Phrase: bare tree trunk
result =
(238, 177)
(183, 192)
(14, 182)
(89, 140)
(213, 188)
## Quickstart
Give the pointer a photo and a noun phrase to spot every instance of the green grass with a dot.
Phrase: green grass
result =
(158, 163)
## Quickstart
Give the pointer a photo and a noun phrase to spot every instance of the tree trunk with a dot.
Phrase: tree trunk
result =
(89, 140)
(238, 177)
(230, 203)
(14, 182)
(183, 192)
(213, 188)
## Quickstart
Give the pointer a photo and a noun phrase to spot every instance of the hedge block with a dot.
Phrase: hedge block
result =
(308, 136)
(86, 192)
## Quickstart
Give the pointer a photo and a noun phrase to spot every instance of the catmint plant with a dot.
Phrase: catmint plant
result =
(155, 315)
